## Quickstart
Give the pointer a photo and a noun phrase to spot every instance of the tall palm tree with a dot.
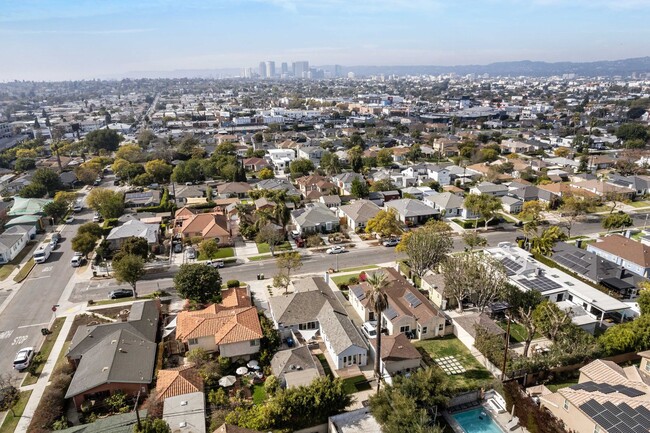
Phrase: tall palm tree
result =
(378, 303)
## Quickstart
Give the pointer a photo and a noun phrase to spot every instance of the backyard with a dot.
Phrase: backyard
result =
(475, 376)
(517, 332)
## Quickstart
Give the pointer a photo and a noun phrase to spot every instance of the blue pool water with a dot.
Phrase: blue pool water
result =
(471, 421)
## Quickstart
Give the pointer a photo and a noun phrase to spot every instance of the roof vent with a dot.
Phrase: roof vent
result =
(184, 403)
(105, 369)
(113, 341)
(121, 350)
(400, 347)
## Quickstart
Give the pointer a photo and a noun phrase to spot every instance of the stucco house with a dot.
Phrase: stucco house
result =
(13, 240)
(398, 354)
(209, 225)
(358, 213)
(315, 218)
(133, 228)
(412, 212)
(625, 252)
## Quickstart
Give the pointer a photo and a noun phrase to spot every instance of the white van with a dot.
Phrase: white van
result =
(78, 206)
(42, 253)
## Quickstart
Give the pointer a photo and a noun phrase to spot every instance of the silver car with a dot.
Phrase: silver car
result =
(23, 358)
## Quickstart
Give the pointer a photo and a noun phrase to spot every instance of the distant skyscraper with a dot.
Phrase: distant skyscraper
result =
(300, 69)
(262, 70)
(270, 69)
(284, 69)
(338, 71)
(248, 72)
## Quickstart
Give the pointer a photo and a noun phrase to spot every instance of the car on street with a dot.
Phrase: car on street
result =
(369, 329)
(335, 250)
(69, 219)
(391, 242)
(23, 358)
(97, 217)
(190, 253)
(77, 260)
(215, 263)
(54, 241)
(120, 293)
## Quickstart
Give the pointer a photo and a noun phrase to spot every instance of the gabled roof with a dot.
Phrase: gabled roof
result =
(233, 188)
(178, 381)
(625, 248)
(299, 358)
(137, 229)
(304, 304)
(397, 348)
(340, 330)
(360, 210)
(446, 200)
(315, 214)
(409, 207)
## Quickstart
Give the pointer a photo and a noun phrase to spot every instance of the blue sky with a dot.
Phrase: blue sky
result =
(72, 39)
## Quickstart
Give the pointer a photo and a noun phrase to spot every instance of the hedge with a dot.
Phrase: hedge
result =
(535, 418)
(164, 206)
(52, 404)
(470, 224)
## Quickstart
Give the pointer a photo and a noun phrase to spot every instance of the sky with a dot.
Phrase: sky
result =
(84, 39)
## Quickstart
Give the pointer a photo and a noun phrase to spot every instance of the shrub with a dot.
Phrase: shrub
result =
(232, 283)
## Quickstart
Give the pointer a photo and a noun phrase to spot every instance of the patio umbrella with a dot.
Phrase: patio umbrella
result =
(241, 371)
(253, 364)
(227, 381)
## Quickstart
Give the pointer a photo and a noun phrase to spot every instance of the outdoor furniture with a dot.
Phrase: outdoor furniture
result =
(241, 371)
(227, 381)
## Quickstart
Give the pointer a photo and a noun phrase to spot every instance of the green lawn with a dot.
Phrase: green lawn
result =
(558, 385)
(326, 365)
(24, 271)
(343, 279)
(476, 375)
(222, 253)
(44, 352)
(264, 247)
(359, 268)
(517, 332)
(6, 270)
(355, 384)
(10, 422)
(639, 203)
(258, 258)
(259, 394)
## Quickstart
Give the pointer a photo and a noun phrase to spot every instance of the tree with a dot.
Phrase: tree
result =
(49, 179)
(531, 210)
(330, 163)
(301, 167)
(152, 425)
(84, 243)
(474, 240)
(574, 207)
(24, 164)
(288, 263)
(382, 185)
(266, 173)
(378, 303)
(133, 245)
(550, 319)
(483, 204)
(426, 247)
(644, 298)
(159, 170)
(189, 171)
(355, 156)
(130, 152)
(199, 283)
(544, 243)
(33, 190)
(359, 188)
(522, 306)
(561, 152)
(129, 269)
(632, 131)
(208, 248)
(56, 209)
(384, 157)
(270, 235)
(86, 174)
(616, 221)
(9, 394)
(583, 164)
(106, 139)
(385, 223)
(92, 229)
(109, 204)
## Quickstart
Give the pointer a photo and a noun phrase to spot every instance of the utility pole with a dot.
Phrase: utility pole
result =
(137, 414)
(505, 352)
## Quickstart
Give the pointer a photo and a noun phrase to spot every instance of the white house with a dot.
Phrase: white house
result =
(281, 158)
(342, 338)
(13, 240)
(440, 174)
(358, 213)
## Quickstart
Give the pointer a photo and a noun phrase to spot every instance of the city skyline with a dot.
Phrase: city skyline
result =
(65, 40)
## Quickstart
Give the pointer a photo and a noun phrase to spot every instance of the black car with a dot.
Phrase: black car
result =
(120, 293)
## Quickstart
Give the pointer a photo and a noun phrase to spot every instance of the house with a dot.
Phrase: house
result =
(512, 205)
(255, 164)
(187, 193)
(13, 240)
(277, 185)
(412, 212)
(358, 213)
(489, 188)
(469, 322)
(312, 153)
(314, 218)
(115, 357)
(409, 311)
(604, 189)
(121, 423)
(448, 204)
(233, 189)
(68, 179)
(398, 354)
(185, 413)
(177, 381)
(343, 182)
(210, 225)
(625, 252)
(295, 367)
(281, 158)
(232, 329)
(264, 203)
(641, 184)
(28, 206)
(142, 199)
(333, 202)
(133, 228)
(607, 398)
(440, 174)
(313, 308)
(356, 421)
(434, 284)
(315, 183)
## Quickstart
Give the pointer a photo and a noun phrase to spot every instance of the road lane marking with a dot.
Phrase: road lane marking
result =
(35, 324)
(48, 269)
(19, 340)
(6, 334)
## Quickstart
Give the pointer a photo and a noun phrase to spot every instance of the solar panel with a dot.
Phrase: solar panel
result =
(626, 390)
(358, 292)
(601, 421)
(390, 313)
(540, 283)
(590, 409)
(412, 299)
(511, 266)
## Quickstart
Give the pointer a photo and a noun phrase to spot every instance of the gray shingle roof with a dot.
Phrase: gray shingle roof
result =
(446, 200)
(284, 360)
(409, 207)
(316, 214)
(360, 210)
(340, 330)
(137, 229)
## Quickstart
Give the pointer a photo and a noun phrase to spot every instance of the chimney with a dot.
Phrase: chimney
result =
(622, 273)
(579, 243)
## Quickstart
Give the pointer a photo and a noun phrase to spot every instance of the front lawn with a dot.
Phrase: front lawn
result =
(259, 394)
(639, 204)
(11, 421)
(475, 376)
(44, 352)
(24, 272)
(222, 253)
(263, 247)
(355, 384)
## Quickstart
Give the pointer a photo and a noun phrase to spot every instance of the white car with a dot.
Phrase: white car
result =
(369, 329)
(335, 250)
(23, 358)
(215, 263)
(69, 219)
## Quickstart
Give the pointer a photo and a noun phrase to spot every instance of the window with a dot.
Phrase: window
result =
(371, 315)
(570, 297)
(441, 327)
(406, 328)
(424, 330)
(566, 405)
(255, 342)
(308, 325)
(647, 366)
(193, 341)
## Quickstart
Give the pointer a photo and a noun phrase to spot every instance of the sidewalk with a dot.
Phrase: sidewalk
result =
(44, 378)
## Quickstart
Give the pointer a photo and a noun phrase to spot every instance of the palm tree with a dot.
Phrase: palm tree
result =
(378, 303)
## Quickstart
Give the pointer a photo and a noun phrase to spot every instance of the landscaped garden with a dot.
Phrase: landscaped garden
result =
(264, 248)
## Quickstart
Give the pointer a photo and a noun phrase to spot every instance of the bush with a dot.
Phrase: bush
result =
(232, 283)
(52, 405)
(531, 416)
(314, 241)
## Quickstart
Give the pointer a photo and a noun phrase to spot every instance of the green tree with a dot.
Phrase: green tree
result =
(615, 221)
(483, 204)
(426, 247)
(130, 152)
(382, 185)
(56, 209)
(33, 190)
(300, 167)
(544, 243)
(84, 243)
(385, 223)
(378, 303)
(135, 246)
(330, 163)
(208, 248)
(550, 319)
(159, 170)
(359, 188)
(152, 425)
(356, 159)
(199, 283)
(91, 228)
(24, 164)
(385, 157)
(49, 179)
(574, 207)
(109, 204)
(270, 235)
(632, 131)
(129, 269)
(474, 240)
(532, 210)
(644, 298)
(106, 139)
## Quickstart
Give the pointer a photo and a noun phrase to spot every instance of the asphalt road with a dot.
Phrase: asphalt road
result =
(31, 308)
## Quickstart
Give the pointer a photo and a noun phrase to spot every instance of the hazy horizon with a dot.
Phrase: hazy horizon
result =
(81, 39)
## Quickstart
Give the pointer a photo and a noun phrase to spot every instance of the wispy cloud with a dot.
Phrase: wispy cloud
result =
(588, 4)
(344, 6)
(74, 32)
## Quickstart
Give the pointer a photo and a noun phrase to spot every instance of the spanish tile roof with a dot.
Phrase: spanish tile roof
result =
(178, 381)
(232, 325)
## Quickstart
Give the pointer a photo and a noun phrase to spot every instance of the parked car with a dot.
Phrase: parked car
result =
(190, 253)
(295, 234)
(56, 237)
(77, 260)
(178, 247)
(69, 219)
(97, 217)
(391, 242)
(120, 293)
(215, 263)
(23, 358)
(335, 250)
(300, 242)
(369, 329)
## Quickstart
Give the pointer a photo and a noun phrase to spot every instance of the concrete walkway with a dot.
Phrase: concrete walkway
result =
(44, 378)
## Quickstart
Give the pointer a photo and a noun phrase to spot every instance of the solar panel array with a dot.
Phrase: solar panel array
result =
(390, 313)
(511, 266)
(358, 292)
(617, 419)
(412, 299)
(574, 261)
(540, 283)
(606, 388)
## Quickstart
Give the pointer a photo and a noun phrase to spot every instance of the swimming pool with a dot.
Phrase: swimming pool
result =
(477, 421)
